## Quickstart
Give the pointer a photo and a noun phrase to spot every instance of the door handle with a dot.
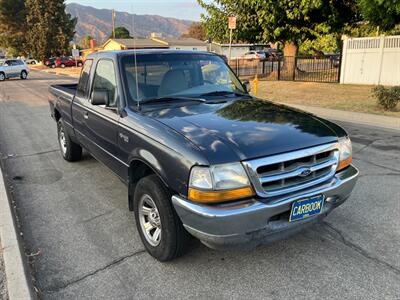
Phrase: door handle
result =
(86, 115)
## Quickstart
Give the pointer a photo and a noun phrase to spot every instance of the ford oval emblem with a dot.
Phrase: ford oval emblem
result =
(305, 173)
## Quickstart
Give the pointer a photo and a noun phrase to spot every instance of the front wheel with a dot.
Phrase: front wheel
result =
(24, 75)
(79, 64)
(2, 76)
(69, 150)
(62, 66)
(160, 229)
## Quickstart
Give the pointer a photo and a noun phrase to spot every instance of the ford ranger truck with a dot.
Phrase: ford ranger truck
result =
(199, 155)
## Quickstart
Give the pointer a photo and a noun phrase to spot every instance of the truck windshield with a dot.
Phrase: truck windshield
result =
(177, 74)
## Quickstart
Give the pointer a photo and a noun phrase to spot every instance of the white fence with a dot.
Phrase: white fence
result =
(373, 60)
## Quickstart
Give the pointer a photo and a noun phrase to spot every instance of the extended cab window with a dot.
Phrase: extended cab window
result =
(104, 79)
(83, 85)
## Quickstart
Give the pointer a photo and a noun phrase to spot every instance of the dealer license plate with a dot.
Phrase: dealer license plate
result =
(305, 208)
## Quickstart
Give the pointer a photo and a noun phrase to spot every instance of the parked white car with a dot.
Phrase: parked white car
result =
(254, 55)
(31, 61)
(13, 68)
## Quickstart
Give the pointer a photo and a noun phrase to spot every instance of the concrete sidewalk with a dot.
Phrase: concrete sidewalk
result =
(18, 284)
(351, 117)
(71, 72)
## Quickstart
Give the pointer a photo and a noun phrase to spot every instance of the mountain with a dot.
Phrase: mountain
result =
(97, 23)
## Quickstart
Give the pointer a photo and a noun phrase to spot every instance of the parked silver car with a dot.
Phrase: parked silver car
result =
(13, 68)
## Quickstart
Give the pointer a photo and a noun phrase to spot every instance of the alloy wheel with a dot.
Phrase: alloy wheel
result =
(150, 221)
(63, 141)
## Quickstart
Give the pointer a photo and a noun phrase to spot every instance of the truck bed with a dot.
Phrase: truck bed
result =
(63, 94)
(66, 91)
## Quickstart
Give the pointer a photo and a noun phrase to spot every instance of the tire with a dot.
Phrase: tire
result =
(53, 66)
(79, 64)
(24, 75)
(62, 66)
(172, 236)
(69, 150)
(2, 76)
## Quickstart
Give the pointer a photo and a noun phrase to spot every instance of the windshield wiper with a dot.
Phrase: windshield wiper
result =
(172, 98)
(223, 93)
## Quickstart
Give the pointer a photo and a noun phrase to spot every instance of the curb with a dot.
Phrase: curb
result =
(63, 74)
(55, 73)
(351, 117)
(18, 284)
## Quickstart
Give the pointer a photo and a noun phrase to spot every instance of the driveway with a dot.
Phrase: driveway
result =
(81, 240)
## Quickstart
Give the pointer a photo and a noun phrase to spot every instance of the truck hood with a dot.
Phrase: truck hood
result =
(243, 129)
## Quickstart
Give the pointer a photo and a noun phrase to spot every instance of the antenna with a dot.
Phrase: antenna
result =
(135, 58)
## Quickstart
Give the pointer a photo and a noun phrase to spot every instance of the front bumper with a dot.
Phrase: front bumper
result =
(252, 222)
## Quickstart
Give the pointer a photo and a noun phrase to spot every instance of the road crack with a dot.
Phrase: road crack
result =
(115, 262)
(378, 165)
(338, 235)
(10, 156)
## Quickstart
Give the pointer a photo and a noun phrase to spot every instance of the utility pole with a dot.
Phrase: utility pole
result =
(113, 24)
(231, 26)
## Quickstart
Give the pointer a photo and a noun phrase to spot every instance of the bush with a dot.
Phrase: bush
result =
(388, 98)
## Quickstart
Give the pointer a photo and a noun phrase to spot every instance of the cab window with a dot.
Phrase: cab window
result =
(83, 85)
(105, 79)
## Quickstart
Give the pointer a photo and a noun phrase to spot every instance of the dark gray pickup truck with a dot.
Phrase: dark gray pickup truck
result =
(199, 155)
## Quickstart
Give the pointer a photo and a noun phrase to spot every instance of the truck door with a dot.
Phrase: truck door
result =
(101, 121)
(79, 106)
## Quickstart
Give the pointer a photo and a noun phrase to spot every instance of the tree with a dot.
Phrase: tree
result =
(121, 33)
(288, 21)
(196, 31)
(13, 25)
(384, 14)
(85, 42)
(50, 28)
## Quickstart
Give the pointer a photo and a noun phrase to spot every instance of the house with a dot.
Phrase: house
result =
(181, 43)
(126, 44)
(238, 50)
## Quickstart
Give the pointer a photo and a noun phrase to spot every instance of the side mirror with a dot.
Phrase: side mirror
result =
(247, 86)
(100, 97)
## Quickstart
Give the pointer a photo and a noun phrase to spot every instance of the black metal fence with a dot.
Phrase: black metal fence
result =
(299, 68)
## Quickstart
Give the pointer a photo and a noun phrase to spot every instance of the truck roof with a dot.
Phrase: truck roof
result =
(117, 53)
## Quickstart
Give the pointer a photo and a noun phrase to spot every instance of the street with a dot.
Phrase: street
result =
(81, 240)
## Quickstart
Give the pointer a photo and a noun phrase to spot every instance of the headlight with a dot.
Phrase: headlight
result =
(345, 153)
(219, 183)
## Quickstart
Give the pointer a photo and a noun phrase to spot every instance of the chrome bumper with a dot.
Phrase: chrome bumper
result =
(252, 222)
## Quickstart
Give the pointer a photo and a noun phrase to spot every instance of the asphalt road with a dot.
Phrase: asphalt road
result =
(81, 240)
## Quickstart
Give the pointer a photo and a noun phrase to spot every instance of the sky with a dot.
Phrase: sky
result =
(181, 9)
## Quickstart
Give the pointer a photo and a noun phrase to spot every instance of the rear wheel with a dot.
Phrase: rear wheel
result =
(160, 229)
(53, 66)
(24, 75)
(79, 64)
(2, 76)
(62, 66)
(69, 150)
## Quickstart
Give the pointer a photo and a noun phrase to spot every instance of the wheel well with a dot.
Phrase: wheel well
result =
(57, 115)
(137, 170)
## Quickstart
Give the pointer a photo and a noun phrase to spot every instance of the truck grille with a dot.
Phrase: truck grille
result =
(293, 171)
